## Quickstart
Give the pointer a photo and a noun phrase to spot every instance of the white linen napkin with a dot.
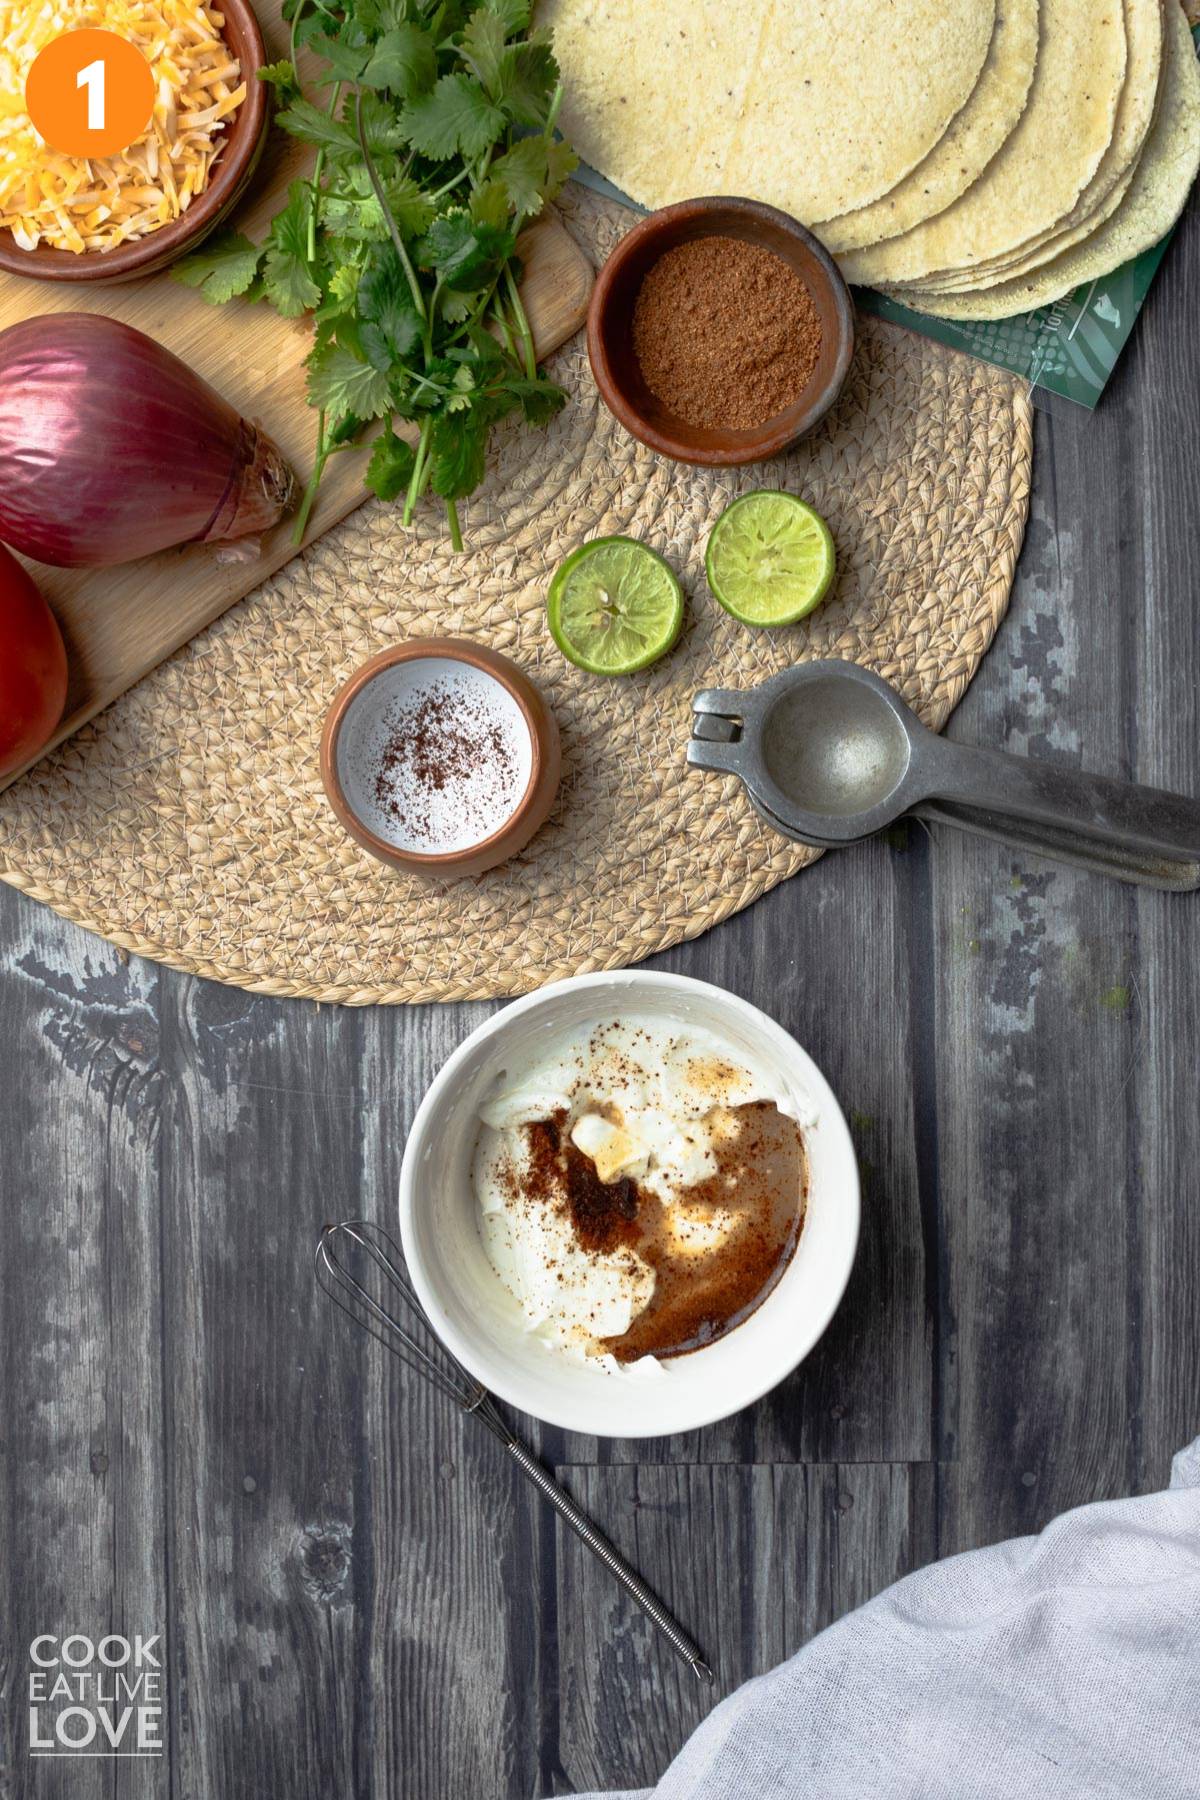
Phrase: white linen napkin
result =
(1059, 1667)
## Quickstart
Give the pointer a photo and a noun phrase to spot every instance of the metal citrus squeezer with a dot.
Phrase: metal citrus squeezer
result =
(830, 753)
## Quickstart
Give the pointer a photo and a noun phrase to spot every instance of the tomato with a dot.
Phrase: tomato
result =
(33, 667)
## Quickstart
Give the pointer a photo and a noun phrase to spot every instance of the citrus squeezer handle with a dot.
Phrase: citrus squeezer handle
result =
(1139, 834)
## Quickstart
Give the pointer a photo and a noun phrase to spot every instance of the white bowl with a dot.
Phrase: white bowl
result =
(480, 1322)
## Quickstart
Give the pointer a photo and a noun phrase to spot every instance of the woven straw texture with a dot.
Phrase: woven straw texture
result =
(188, 823)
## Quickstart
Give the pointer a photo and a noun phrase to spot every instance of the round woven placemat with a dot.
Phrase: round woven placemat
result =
(188, 822)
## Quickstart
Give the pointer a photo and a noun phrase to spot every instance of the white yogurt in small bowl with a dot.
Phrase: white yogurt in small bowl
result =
(435, 756)
(441, 757)
(497, 1322)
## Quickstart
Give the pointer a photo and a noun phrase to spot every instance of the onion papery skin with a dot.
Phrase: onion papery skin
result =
(111, 448)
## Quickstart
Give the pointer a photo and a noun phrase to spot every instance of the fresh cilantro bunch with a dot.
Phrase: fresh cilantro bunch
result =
(434, 134)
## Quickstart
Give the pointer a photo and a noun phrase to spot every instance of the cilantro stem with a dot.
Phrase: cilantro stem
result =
(552, 114)
(477, 311)
(314, 481)
(315, 184)
(501, 318)
(416, 480)
(455, 529)
(388, 216)
(452, 183)
(429, 322)
(521, 322)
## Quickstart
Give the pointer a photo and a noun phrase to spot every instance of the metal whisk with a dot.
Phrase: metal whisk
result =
(437, 1365)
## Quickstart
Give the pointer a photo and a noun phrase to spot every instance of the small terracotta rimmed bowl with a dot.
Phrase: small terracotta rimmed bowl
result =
(610, 329)
(354, 725)
(231, 172)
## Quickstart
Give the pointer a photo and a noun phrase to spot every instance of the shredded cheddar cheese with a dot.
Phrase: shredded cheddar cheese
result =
(77, 203)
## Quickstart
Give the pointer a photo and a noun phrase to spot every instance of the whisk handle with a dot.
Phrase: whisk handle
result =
(612, 1559)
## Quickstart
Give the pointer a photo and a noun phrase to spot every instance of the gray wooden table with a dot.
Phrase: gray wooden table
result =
(359, 1597)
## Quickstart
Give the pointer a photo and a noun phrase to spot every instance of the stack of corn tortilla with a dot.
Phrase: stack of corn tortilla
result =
(973, 158)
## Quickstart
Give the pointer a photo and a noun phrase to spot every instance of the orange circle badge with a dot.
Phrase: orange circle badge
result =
(90, 93)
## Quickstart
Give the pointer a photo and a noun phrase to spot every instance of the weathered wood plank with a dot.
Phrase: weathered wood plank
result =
(450, 1658)
(1066, 1017)
(261, 1126)
(1160, 579)
(753, 1561)
(81, 1494)
(1032, 1058)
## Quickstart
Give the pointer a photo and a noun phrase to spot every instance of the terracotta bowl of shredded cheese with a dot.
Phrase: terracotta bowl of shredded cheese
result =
(70, 218)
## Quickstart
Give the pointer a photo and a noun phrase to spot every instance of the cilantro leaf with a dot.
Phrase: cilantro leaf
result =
(528, 79)
(489, 203)
(390, 468)
(458, 453)
(308, 19)
(282, 77)
(482, 48)
(341, 384)
(287, 276)
(539, 398)
(354, 212)
(411, 207)
(346, 57)
(532, 172)
(404, 62)
(381, 127)
(561, 164)
(313, 125)
(515, 13)
(456, 117)
(359, 219)
(482, 351)
(454, 308)
(379, 16)
(342, 287)
(464, 254)
(522, 173)
(225, 265)
(390, 326)
(462, 391)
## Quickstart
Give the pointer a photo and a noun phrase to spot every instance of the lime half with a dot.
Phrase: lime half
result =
(614, 606)
(770, 558)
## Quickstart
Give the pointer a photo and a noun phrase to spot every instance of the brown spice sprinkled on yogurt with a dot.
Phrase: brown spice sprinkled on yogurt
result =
(448, 769)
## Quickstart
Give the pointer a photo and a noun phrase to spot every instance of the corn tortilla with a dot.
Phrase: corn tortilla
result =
(973, 138)
(1109, 185)
(1037, 177)
(1156, 196)
(819, 106)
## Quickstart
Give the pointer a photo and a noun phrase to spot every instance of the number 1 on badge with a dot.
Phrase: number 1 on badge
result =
(92, 78)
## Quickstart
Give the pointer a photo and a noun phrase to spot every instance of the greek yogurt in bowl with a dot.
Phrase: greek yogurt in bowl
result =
(641, 1188)
(483, 1319)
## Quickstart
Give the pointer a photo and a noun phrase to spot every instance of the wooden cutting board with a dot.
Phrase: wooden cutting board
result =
(120, 623)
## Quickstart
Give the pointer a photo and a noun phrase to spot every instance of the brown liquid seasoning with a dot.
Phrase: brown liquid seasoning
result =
(700, 1295)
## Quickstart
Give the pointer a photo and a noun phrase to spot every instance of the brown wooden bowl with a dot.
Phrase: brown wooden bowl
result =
(532, 810)
(231, 172)
(610, 329)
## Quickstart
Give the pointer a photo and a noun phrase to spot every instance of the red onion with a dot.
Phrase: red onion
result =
(111, 448)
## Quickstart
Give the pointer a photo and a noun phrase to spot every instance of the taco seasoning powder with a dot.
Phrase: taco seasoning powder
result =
(725, 333)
